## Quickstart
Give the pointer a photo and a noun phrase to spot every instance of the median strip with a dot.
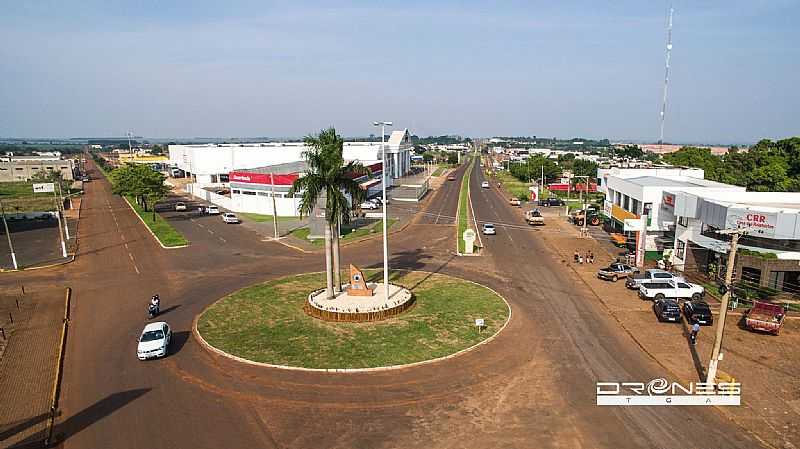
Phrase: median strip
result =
(463, 200)
(167, 236)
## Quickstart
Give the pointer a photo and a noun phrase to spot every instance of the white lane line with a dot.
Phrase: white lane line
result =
(223, 240)
(136, 268)
(210, 231)
(126, 246)
(201, 225)
(131, 256)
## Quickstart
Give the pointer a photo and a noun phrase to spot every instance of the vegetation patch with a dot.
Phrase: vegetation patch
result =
(260, 218)
(164, 232)
(266, 323)
(349, 233)
(463, 205)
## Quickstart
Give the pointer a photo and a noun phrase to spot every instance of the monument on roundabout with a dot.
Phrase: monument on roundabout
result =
(359, 301)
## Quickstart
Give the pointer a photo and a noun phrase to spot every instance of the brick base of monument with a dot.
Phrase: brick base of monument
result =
(357, 308)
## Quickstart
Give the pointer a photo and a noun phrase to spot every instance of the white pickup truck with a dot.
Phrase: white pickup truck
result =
(652, 275)
(534, 218)
(657, 290)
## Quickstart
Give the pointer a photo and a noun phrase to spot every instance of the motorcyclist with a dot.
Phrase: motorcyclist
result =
(155, 302)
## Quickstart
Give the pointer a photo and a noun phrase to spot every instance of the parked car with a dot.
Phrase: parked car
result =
(86, 178)
(514, 201)
(765, 317)
(230, 218)
(154, 341)
(378, 201)
(698, 312)
(179, 206)
(212, 210)
(485, 185)
(534, 217)
(488, 229)
(667, 309)
(616, 271)
(668, 288)
(368, 205)
(635, 280)
(552, 201)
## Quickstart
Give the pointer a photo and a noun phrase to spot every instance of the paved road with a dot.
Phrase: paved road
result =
(443, 206)
(531, 387)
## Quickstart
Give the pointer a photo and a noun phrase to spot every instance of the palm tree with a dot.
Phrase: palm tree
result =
(330, 180)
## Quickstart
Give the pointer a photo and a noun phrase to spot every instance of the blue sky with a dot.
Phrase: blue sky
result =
(236, 69)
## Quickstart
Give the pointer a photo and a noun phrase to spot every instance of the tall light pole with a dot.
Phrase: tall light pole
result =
(383, 126)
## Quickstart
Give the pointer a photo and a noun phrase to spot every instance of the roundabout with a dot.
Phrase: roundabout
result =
(433, 317)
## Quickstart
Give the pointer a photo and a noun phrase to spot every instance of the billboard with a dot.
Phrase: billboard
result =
(758, 223)
(44, 187)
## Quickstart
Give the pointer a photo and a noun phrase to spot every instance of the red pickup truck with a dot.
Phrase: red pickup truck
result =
(765, 317)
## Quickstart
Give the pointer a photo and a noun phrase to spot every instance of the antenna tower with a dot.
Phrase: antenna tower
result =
(666, 75)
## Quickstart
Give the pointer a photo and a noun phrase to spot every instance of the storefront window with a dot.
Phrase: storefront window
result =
(683, 221)
(680, 251)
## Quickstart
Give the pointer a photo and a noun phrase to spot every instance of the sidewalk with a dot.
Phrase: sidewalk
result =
(765, 365)
(28, 366)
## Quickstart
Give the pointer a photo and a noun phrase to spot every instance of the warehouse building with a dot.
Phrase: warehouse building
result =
(213, 163)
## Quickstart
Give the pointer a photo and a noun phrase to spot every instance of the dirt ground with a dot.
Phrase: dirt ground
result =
(765, 365)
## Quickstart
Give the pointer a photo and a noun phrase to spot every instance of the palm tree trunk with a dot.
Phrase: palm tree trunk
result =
(328, 268)
(337, 271)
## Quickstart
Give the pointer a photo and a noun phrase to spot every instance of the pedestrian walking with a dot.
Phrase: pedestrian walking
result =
(695, 331)
(580, 259)
(591, 257)
(575, 256)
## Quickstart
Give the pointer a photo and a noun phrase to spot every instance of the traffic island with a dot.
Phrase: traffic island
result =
(269, 324)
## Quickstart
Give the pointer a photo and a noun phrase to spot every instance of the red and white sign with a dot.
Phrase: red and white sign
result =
(668, 200)
(759, 223)
(262, 178)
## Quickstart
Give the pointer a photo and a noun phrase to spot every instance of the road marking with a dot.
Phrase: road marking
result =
(136, 268)
(131, 256)
(201, 225)
(210, 231)
(223, 240)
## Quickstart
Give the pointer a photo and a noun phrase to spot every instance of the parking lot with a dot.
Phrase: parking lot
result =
(36, 242)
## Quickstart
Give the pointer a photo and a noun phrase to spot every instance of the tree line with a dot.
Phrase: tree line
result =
(768, 166)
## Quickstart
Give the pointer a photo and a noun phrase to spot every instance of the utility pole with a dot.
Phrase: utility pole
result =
(585, 226)
(274, 207)
(61, 208)
(8, 234)
(384, 176)
(723, 311)
(60, 228)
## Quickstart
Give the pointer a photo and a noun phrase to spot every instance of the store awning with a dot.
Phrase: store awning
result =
(723, 247)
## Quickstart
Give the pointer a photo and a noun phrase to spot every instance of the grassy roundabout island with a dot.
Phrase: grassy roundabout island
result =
(266, 323)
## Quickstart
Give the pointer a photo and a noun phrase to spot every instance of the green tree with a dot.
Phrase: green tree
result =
(583, 167)
(629, 151)
(427, 157)
(531, 169)
(141, 182)
(330, 180)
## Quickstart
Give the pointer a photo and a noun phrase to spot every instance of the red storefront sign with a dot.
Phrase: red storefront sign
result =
(262, 178)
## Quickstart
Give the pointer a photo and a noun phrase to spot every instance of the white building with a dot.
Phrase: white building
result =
(769, 253)
(631, 193)
(212, 163)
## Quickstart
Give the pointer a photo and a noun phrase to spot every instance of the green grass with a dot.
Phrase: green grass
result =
(259, 218)
(266, 323)
(513, 185)
(348, 234)
(439, 170)
(463, 206)
(164, 232)
(18, 196)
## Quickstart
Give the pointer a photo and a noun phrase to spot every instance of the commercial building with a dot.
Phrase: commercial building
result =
(212, 163)
(632, 193)
(24, 168)
(252, 190)
(769, 253)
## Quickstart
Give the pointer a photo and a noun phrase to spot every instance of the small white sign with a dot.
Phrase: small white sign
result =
(44, 187)
(480, 322)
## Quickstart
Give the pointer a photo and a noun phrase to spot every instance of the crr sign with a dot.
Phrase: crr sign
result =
(759, 223)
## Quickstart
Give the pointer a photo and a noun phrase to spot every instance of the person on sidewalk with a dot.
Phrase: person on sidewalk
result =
(591, 257)
(695, 331)
(575, 256)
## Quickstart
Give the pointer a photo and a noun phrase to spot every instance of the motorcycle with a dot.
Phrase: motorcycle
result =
(152, 310)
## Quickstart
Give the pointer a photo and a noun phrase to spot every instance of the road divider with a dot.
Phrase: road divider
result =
(463, 205)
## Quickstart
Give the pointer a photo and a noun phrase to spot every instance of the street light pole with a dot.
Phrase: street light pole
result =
(383, 126)
(8, 234)
(723, 311)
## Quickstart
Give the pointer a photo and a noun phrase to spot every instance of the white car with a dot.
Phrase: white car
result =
(154, 341)
(230, 218)
(488, 229)
(368, 205)
(485, 184)
(180, 206)
(212, 210)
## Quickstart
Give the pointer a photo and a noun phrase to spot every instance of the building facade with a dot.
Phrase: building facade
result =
(22, 168)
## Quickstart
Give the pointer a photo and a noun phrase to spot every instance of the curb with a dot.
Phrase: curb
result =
(59, 369)
(150, 230)
(221, 353)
